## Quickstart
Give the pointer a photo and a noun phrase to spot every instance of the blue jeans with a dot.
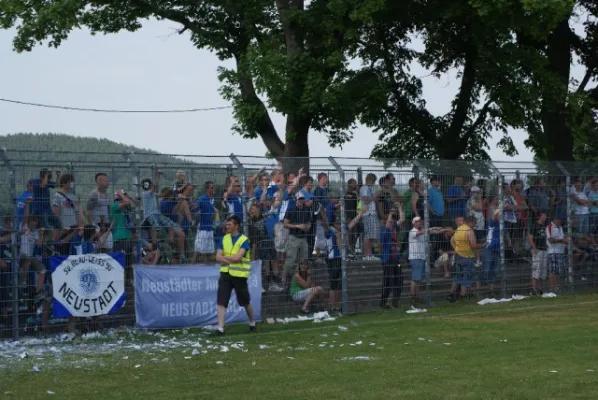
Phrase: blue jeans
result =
(490, 259)
(464, 271)
(581, 223)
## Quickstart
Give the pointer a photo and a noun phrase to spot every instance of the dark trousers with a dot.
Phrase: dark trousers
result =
(392, 283)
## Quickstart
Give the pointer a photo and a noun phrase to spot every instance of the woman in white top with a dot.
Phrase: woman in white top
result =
(371, 223)
(475, 209)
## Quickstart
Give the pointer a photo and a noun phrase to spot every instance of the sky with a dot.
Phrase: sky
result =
(155, 69)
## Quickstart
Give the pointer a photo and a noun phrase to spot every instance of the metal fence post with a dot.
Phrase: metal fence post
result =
(503, 266)
(418, 169)
(244, 195)
(71, 170)
(344, 250)
(13, 244)
(569, 227)
(359, 176)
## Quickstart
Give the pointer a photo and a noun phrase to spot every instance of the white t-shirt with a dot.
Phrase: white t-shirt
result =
(28, 240)
(417, 245)
(577, 208)
(367, 191)
(480, 221)
(555, 232)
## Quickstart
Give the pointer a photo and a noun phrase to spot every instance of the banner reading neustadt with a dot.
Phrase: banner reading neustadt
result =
(185, 296)
(87, 285)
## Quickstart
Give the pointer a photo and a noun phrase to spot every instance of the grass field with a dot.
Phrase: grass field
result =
(531, 349)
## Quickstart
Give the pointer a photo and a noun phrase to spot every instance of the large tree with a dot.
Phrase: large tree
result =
(292, 53)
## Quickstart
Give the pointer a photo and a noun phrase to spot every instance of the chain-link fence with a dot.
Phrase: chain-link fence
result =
(376, 233)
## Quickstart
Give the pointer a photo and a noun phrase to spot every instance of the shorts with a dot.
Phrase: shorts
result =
(320, 236)
(464, 271)
(266, 251)
(296, 250)
(556, 263)
(514, 230)
(159, 221)
(334, 273)
(204, 242)
(281, 237)
(302, 295)
(50, 221)
(418, 270)
(371, 227)
(37, 265)
(226, 285)
(539, 265)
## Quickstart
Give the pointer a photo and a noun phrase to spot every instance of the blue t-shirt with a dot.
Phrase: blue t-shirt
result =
(20, 207)
(331, 213)
(458, 208)
(493, 236)
(436, 201)
(307, 194)
(206, 205)
(321, 196)
(167, 208)
(234, 240)
(272, 189)
(80, 246)
(234, 205)
(332, 243)
(387, 239)
(41, 198)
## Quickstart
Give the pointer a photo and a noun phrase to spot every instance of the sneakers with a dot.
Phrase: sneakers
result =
(274, 287)
(218, 333)
(252, 329)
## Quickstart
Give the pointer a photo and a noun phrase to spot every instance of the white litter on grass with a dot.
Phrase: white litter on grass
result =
(548, 295)
(553, 372)
(23, 355)
(413, 310)
(270, 320)
(504, 340)
(125, 357)
(138, 365)
(223, 349)
(446, 344)
(51, 392)
(589, 370)
(359, 343)
(505, 300)
(357, 358)
(187, 358)
(36, 368)
(264, 346)
(291, 358)
(324, 335)
(195, 352)
(372, 344)
(219, 362)
(421, 339)
(342, 328)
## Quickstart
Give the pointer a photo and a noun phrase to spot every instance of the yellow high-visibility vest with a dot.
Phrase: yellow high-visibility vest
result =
(241, 269)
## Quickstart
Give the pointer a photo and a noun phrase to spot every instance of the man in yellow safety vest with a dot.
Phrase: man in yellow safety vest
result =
(235, 265)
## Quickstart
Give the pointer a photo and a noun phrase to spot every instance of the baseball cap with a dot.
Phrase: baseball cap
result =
(300, 195)
(414, 220)
(30, 182)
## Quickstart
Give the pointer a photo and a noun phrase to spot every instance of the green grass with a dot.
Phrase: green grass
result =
(504, 351)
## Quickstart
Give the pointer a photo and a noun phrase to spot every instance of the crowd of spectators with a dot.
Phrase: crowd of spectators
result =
(294, 223)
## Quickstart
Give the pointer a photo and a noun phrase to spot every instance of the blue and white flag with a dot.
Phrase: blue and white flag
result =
(87, 285)
(186, 296)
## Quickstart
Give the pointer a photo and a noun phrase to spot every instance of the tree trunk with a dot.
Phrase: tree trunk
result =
(557, 132)
(296, 149)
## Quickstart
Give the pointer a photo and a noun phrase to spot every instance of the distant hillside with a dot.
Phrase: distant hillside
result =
(84, 157)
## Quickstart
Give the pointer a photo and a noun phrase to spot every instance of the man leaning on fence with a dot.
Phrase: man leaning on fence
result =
(233, 254)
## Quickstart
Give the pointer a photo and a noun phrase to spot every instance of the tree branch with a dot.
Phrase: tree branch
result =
(586, 79)
(464, 97)
(482, 114)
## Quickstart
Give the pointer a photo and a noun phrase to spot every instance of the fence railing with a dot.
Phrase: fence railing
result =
(441, 193)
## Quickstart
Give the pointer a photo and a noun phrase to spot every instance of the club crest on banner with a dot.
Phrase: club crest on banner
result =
(87, 285)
